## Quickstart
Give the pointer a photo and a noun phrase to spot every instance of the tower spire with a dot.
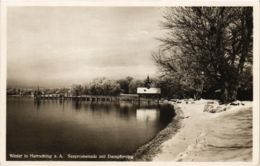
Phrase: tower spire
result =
(147, 82)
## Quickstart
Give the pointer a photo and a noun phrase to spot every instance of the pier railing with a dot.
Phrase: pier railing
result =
(93, 98)
(82, 97)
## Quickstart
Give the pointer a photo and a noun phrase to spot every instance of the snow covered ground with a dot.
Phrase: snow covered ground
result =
(205, 136)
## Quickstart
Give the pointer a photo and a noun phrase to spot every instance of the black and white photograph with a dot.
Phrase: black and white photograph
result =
(130, 83)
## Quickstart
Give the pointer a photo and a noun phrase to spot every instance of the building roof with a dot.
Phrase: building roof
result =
(144, 90)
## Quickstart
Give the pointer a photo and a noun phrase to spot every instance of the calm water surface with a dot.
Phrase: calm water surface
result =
(69, 127)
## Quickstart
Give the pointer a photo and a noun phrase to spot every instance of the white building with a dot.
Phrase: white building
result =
(151, 91)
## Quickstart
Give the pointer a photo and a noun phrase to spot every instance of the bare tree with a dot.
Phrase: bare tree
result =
(207, 44)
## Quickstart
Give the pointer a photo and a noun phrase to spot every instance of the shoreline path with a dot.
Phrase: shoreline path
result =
(204, 136)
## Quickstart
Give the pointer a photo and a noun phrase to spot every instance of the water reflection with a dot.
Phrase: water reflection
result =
(37, 104)
(77, 105)
(147, 114)
(126, 110)
(81, 127)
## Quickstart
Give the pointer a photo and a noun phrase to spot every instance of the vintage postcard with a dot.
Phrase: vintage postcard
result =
(129, 82)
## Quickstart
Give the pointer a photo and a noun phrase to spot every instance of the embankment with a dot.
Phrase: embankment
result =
(148, 151)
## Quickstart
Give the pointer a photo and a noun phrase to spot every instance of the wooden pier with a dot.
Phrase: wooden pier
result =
(89, 98)
(94, 98)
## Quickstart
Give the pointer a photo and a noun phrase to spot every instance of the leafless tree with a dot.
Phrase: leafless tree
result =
(207, 44)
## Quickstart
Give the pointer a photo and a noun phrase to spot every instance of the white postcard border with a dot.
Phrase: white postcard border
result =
(3, 73)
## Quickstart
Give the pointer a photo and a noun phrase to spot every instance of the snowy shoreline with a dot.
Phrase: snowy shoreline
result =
(151, 148)
(195, 135)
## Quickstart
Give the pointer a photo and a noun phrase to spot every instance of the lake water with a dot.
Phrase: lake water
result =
(69, 128)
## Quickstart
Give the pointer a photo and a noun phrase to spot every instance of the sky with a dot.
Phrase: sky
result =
(61, 46)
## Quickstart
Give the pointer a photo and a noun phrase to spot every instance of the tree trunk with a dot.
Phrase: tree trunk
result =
(228, 92)
(233, 92)
(224, 93)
